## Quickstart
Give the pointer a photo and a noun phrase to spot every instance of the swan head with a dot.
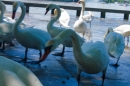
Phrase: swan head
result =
(50, 46)
(49, 7)
(110, 29)
(15, 7)
(80, 1)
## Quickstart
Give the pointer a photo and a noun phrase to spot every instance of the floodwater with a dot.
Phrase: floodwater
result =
(61, 71)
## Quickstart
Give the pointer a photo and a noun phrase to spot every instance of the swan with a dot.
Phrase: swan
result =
(80, 25)
(8, 19)
(54, 31)
(64, 18)
(114, 43)
(123, 30)
(91, 58)
(15, 74)
(28, 37)
(5, 29)
(88, 17)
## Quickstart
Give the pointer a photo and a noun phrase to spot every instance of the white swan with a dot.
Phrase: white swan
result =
(8, 19)
(88, 17)
(64, 18)
(80, 25)
(28, 37)
(114, 43)
(123, 30)
(15, 74)
(54, 31)
(91, 58)
(5, 29)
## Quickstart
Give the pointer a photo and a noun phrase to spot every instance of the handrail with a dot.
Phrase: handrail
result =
(103, 11)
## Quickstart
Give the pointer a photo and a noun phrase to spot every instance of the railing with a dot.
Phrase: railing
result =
(103, 11)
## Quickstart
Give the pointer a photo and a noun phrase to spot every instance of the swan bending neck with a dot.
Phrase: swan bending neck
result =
(20, 19)
(75, 40)
(54, 19)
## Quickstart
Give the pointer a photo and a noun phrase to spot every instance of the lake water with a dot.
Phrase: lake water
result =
(96, 4)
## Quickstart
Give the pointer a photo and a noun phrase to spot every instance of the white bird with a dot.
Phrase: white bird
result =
(114, 43)
(91, 58)
(64, 18)
(80, 25)
(123, 30)
(8, 19)
(15, 74)
(28, 37)
(88, 17)
(54, 31)
(5, 29)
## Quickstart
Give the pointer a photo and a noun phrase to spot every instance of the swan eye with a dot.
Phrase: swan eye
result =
(48, 48)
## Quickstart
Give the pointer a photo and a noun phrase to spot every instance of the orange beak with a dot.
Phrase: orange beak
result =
(44, 55)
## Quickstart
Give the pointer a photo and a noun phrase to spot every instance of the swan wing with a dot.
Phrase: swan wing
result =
(115, 44)
(96, 57)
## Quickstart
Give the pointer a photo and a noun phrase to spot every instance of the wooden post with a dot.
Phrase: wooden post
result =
(102, 15)
(126, 16)
(27, 8)
(78, 13)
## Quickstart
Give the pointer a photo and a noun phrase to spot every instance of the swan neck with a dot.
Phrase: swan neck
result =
(82, 10)
(54, 19)
(20, 19)
(75, 40)
(2, 12)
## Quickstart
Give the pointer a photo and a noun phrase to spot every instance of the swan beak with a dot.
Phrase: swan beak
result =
(13, 14)
(45, 55)
(46, 12)
(78, 2)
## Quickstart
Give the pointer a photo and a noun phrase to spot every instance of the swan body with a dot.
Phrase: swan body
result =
(54, 31)
(80, 25)
(88, 17)
(28, 37)
(123, 30)
(64, 18)
(91, 58)
(6, 35)
(114, 43)
(15, 74)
